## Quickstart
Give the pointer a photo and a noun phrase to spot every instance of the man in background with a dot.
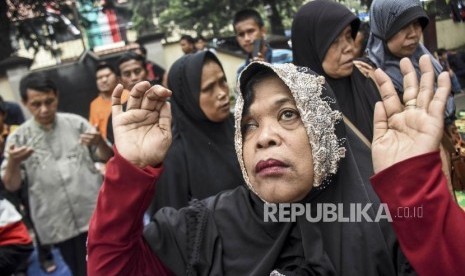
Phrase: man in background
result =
(131, 68)
(187, 44)
(201, 45)
(100, 107)
(11, 117)
(156, 73)
(53, 154)
(249, 27)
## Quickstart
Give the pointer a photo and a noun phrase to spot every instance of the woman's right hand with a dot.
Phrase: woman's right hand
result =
(142, 132)
(401, 132)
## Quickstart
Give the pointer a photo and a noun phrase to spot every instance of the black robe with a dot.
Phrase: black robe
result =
(315, 27)
(201, 161)
(226, 234)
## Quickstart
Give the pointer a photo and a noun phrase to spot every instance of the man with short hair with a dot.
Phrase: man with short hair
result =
(11, 116)
(55, 153)
(200, 43)
(131, 68)
(187, 43)
(155, 73)
(249, 27)
(100, 107)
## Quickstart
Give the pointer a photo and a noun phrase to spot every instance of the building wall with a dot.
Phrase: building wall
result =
(155, 53)
(9, 86)
(450, 35)
(230, 65)
(171, 52)
(5, 89)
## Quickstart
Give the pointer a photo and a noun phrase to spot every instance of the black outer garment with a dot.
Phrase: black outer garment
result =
(315, 27)
(226, 234)
(202, 160)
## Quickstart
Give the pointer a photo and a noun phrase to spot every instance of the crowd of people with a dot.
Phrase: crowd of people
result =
(162, 179)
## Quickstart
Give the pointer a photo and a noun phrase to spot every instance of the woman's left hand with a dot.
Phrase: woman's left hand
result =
(401, 132)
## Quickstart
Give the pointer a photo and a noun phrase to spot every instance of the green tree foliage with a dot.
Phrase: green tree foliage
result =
(143, 14)
(215, 16)
(28, 19)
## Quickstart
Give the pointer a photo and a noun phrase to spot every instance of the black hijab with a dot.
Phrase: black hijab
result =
(315, 27)
(226, 234)
(201, 161)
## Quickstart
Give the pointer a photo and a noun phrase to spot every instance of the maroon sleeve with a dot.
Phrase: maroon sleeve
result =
(115, 242)
(429, 224)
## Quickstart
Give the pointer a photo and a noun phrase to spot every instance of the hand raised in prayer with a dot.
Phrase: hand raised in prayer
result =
(401, 132)
(142, 132)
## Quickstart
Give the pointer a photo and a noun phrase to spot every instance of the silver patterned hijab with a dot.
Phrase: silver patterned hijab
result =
(315, 111)
(300, 247)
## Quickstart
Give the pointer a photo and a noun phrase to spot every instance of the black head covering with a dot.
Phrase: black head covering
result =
(315, 27)
(227, 235)
(201, 161)
(361, 248)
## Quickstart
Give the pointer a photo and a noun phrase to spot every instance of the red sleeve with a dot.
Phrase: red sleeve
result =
(427, 221)
(115, 242)
(14, 234)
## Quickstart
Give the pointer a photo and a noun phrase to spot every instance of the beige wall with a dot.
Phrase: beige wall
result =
(450, 35)
(230, 65)
(171, 51)
(5, 89)
(155, 52)
(9, 87)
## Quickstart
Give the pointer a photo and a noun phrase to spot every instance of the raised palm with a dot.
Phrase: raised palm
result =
(402, 132)
(142, 132)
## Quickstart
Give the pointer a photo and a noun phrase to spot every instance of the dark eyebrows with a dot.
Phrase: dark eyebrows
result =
(135, 70)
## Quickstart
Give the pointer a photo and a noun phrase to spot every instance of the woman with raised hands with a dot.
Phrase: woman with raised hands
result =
(291, 148)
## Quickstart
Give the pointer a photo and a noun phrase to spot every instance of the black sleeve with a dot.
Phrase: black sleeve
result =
(173, 186)
(186, 241)
(12, 256)
(110, 136)
(158, 72)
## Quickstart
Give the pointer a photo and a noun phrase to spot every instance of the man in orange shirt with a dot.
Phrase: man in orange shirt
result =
(131, 69)
(100, 107)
